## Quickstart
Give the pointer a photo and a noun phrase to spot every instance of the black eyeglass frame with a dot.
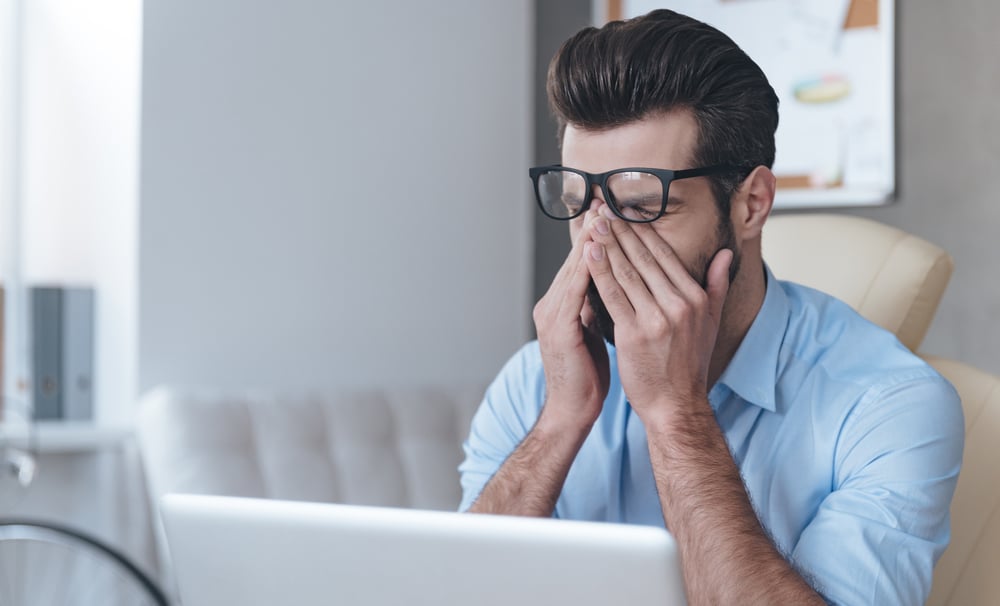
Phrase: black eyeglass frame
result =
(666, 176)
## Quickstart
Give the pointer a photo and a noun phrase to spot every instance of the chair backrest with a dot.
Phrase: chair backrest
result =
(396, 448)
(890, 277)
(968, 573)
(378, 447)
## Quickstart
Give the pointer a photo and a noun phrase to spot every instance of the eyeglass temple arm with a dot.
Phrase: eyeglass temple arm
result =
(708, 170)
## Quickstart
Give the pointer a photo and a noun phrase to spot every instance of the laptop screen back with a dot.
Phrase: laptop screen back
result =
(257, 552)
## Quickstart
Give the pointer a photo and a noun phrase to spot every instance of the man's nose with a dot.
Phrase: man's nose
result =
(597, 201)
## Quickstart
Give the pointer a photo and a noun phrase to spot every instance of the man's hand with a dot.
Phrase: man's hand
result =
(665, 322)
(577, 376)
(665, 330)
(574, 356)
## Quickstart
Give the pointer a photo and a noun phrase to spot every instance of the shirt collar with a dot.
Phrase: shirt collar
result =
(752, 373)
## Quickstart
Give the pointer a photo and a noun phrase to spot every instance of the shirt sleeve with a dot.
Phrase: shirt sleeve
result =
(877, 535)
(509, 410)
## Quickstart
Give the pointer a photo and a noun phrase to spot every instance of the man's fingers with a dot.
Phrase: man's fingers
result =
(637, 256)
(570, 264)
(718, 282)
(638, 280)
(669, 262)
(574, 294)
(575, 254)
(587, 317)
(612, 293)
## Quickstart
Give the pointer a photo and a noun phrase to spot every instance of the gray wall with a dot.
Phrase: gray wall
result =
(948, 161)
(324, 199)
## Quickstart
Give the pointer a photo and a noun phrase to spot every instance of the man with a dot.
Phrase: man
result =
(796, 452)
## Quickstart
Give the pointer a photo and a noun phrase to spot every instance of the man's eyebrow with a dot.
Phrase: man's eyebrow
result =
(675, 201)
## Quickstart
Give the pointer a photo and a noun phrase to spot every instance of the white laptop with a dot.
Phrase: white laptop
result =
(256, 552)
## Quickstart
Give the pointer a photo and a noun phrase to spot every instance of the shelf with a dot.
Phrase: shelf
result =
(55, 437)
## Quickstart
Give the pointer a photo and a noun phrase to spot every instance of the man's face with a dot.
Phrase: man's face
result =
(691, 226)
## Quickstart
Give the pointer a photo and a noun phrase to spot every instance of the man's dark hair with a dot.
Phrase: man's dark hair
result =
(629, 70)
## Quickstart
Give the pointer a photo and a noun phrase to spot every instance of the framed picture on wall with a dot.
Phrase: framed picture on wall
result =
(832, 64)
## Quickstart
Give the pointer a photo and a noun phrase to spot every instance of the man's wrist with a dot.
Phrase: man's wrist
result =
(564, 419)
(671, 414)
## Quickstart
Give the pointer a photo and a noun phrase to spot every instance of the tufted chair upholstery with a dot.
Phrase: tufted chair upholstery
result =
(890, 277)
(384, 447)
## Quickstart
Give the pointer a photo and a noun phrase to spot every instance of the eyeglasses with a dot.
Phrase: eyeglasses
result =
(638, 195)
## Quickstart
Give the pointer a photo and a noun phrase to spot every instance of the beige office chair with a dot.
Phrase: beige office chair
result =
(896, 280)
(890, 277)
(968, 573)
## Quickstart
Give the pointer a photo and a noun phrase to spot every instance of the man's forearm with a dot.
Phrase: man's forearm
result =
(530, 480)
(728, 558)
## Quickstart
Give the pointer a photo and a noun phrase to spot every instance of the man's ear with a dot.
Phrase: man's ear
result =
(752, 202)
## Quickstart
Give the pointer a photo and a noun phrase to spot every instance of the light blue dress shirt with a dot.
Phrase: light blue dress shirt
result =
(849, 446)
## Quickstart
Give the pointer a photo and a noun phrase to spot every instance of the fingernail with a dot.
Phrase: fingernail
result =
(602, 227)
(596, 252)
(607, 213)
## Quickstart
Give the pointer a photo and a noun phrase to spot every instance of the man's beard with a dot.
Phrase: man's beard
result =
(603, 323)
